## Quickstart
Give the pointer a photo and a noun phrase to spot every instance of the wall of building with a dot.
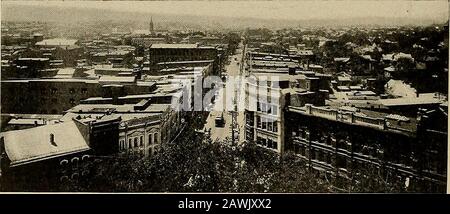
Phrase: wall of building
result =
(54, 97)
(341, 148)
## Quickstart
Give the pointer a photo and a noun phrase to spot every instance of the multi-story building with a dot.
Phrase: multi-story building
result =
(43, 96)
(42, 157)
(341, 142)
(67, 50)
(266, 97)
(159, 53)
(143, 126)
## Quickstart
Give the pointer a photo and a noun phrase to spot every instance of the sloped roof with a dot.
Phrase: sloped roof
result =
(31, 145)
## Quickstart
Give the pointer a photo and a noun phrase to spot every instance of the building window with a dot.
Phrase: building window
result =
(129, 144)
(268, 108)
(135, 142)
(258, 121)
(156, 140)
(263, 107)
(150, 139)
(264, 123)
(275, 126)
(341, 162)
(321, 156)
(259, 140)
(270, 143)
(274, 110)
(269, 126)
(328, 158)
(142, 141)
(303, 151)
(313, 154)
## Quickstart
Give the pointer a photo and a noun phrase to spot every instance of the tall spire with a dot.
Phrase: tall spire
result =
(151, 25)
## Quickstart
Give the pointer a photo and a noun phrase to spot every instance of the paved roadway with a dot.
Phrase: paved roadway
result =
(225, 133)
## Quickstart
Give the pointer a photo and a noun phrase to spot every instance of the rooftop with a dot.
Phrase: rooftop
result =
(174, 46)
(117, 79)
(422, 99)
(57, 42)
(35, 144)
(361, 117)
(185, 62)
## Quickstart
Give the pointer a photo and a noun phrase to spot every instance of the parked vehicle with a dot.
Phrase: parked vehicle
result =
(220, 121)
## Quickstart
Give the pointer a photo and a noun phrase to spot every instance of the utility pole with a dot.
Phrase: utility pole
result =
(233, 123)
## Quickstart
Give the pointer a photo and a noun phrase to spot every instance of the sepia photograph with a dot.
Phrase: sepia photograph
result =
(224, 97)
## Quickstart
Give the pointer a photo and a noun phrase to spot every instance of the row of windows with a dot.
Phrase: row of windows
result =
(269, 143)
(267, 124)
(71, 90)
(134, 142)
(319, 155)
(249, 134)
(249, 119)
(55, 100)
(301, 133)
(267, 108)
(183, 52)
(172, 58)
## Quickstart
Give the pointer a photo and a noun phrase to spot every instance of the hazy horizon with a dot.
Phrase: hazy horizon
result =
(363, 12)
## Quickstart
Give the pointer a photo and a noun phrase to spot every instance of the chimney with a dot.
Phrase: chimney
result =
(292, 70)
(308, 108)
(52, 139)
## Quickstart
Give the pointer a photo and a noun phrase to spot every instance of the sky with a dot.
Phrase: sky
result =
(293, 10)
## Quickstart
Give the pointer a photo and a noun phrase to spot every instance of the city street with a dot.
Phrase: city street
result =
(219, 109)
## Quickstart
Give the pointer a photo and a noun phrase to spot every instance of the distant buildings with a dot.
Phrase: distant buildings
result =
(162, 53)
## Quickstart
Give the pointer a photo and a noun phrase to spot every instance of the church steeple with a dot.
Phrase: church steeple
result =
(151, 25)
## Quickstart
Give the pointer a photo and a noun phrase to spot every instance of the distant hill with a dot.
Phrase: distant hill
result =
(66, 15)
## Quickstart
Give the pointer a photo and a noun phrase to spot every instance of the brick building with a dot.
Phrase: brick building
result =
(53, 96)
(159, 53)
(338, 143)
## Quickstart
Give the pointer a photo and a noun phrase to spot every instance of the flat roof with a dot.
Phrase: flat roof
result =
(126, 79)
(174, 46)
(33, 59)
(49, 80)
(396, 124)
(185, 62)
(422, 99)
(57, 42)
